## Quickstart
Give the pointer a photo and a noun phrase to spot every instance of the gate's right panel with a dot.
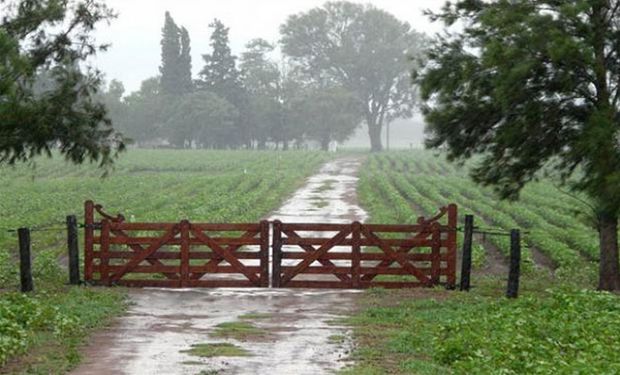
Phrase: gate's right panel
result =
(366, 255)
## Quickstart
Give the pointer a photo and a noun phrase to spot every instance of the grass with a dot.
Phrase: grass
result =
(208, 350)
(240, 331)
(45, 330)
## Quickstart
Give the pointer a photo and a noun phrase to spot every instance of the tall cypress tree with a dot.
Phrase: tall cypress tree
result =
(176, 63)
(185, 64)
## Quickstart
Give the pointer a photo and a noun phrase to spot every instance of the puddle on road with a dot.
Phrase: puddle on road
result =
(163, 324)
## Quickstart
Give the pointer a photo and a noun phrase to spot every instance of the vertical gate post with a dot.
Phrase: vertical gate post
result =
(467, 244)
(185, 244)
(104, 253)
(264, 253)
(276, 257)
(73, 248)
(25, 269)
(515, 264)
(451, 245)
(435, 253)
(89, 230)
(356, 254)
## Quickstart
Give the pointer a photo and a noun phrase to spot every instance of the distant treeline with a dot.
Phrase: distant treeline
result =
(343, 64)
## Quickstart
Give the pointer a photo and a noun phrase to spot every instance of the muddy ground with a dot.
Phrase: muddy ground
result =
(298, 332)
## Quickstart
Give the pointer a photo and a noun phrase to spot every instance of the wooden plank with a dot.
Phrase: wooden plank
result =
(398, 257)
(317, 284)
(146, 252)
(127, 240)
(177, 255)
(311, 249)
(224, 269)
(335, 270)
(227, 255)
(105, 248)
(131, 283)
(314, 227)
(451, 246)
(395, 228)
(357, 251)
(89, 212)
(276, 257)
(317, 241)
(436, 254)
(315, 255)
(364, 256)
(264, 253)
(185, 244)
(140, 269)
(164, 227)
(225, 227)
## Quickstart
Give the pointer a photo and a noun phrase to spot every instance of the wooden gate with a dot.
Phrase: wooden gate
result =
(180, 254)
(366, 255)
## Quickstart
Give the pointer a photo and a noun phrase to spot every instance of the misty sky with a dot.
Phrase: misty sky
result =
(136, 33)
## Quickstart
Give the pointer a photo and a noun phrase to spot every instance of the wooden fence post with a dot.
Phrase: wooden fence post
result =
(466, 261)
(89, 233)
(276, 256)
(515, 264)
(184, 253)
(74, 251)
(25, 266)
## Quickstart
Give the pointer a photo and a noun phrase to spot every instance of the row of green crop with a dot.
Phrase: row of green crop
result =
(426, 180)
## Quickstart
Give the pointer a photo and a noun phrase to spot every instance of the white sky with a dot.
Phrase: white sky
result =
(135, 35)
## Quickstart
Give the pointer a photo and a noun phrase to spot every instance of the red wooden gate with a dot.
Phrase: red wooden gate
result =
(174, 254)
(366, 255)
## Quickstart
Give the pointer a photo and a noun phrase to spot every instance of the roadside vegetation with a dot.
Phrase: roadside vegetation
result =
(559, 324)
(41, 331)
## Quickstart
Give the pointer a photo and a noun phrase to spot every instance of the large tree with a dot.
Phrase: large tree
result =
(531, 84)
(176, 63)
(52, 38)
(364, 49)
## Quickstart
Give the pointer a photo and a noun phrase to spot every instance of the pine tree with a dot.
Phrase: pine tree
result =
(220, 74)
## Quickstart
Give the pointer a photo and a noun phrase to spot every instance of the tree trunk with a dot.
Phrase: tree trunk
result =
(325, 144)
(374, 131)
(609, 275)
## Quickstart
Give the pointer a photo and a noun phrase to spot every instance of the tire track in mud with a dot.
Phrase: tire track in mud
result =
(301, 336)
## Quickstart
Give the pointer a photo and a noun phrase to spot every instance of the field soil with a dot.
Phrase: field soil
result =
(287, 331)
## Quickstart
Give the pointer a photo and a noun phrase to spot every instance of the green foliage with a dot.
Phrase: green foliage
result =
(565, 332)
(46, 97)
(57, 318)
(176, 62)
(530, 85)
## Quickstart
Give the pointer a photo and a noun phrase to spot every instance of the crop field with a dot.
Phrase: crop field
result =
(398, 187)
(557, 325)
(145, 185)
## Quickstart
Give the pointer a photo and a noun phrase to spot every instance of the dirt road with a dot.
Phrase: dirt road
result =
(292, 331)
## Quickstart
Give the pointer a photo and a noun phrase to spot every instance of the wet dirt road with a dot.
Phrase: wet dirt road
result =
(303, 334)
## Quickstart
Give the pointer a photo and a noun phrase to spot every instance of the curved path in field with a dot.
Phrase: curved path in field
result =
(301, 335)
